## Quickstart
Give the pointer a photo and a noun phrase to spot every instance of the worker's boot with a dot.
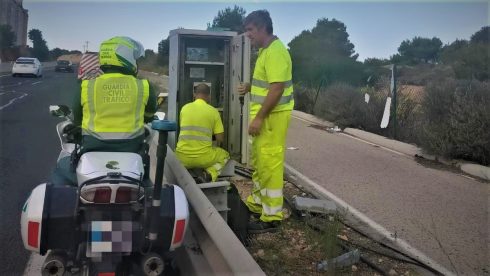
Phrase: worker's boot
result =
(204, 177)
(258, 227)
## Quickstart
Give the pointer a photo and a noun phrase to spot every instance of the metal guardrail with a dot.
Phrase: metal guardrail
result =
(210, 247)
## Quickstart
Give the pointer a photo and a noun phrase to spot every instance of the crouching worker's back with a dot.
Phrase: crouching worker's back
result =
(199, 121)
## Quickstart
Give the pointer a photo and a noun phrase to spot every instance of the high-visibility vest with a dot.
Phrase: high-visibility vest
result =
(198, 122)
(114, 106)
(273, 65)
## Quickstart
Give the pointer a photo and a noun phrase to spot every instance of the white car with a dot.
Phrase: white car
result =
(27, 66)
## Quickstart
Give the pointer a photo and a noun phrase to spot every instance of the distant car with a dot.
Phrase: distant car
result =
(89, 66)
(63, 65)
(27, 66)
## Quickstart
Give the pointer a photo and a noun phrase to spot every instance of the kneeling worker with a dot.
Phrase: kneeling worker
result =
(198, 122)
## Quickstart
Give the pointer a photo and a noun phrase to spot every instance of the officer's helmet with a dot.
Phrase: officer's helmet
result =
(122, 52)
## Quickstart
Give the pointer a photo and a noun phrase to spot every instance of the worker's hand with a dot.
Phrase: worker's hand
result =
(243, 88)
(255, 126)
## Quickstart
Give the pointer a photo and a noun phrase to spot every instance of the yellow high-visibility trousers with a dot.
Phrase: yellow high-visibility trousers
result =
(267, 158)
(212, 161)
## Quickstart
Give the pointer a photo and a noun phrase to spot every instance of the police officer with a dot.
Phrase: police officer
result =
(271, 102)
(199, 121)
(112, 108)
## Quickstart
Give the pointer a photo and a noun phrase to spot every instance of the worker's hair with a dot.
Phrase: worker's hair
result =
(259, 18)
(202, 88)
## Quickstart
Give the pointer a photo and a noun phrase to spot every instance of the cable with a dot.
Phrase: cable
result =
(418, 263)
(363, 259)
(367, 261)
(411, 260)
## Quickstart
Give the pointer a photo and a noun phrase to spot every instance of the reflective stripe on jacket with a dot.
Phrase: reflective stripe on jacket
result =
(273, 65)
(198, 122)
(114, 106)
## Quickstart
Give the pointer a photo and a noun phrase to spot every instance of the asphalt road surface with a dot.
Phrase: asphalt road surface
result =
(441, 213)
(29, 147)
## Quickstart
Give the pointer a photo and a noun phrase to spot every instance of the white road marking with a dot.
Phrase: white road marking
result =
(13, 100)
(33, 267)
(36, 82)
(10, 85)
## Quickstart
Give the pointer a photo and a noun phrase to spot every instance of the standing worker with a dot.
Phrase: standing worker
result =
(271, 102)
(198, 122)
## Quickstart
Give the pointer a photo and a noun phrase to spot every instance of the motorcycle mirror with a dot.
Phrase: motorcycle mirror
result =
(59, 110)
(160, 115)
(161, 98)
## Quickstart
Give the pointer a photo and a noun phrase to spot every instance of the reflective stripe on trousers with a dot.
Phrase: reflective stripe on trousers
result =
(268, 150)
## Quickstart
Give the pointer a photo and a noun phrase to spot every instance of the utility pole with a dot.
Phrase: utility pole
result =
(316, 97)
(393, 91)
(86, 46)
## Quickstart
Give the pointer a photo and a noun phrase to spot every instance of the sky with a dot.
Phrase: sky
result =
(375, 28)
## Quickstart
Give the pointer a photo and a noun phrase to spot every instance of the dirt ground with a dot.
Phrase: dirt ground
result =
(305, 239)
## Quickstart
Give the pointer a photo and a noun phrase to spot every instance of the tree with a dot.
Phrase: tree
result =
(39, 47)
(452, 52)
(482, 36)
(325, 55)
(420, 49)
(7, 37)
(57, 52)
(469, 59)
(163, 52)
(231, 19)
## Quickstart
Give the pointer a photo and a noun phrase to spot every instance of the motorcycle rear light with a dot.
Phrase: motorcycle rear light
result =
(103, 195)
(123, 195)
(179, 231)
(33, 234)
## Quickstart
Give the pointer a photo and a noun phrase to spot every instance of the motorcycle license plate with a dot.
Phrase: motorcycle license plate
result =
(111, 236)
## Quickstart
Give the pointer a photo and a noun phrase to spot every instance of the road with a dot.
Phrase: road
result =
(441, 213)
(28, 150)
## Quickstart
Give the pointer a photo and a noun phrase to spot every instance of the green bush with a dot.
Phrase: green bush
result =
(345, 106)
(451, 118)
(303, 98)
(422, 74)
(341, 104)
(456, 118)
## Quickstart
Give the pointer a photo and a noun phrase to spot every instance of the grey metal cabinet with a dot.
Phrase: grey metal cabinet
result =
(221, 60)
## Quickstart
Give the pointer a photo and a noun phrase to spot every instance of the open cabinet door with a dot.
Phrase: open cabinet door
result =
(239, 106)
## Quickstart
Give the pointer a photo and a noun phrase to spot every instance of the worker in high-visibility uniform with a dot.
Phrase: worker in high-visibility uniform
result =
(271, 102)
(199, 121)
(112, 108)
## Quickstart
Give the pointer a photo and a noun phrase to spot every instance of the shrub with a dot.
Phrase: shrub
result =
(422, 74)
(303, 98)
(340, 103)
(457, 120)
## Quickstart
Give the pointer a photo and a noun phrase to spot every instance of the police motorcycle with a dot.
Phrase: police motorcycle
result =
(111, 223)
